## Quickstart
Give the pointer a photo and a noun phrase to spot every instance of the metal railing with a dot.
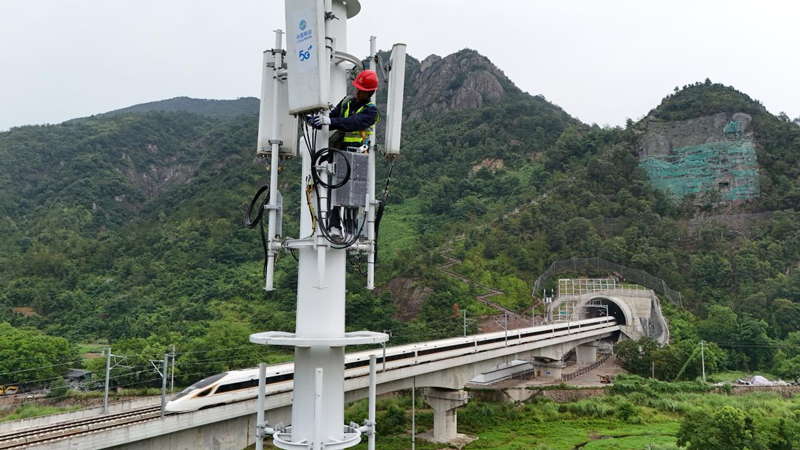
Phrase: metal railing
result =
(586, 369)
(628, 274)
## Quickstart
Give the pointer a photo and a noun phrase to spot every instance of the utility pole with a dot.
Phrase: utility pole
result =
(414, 413)
(465, 323)
(164, 384)
(383, 344)
(172, 372)
(163, 372)
(108, 373)
(653, 370)
(703, 358)
(262, 375)
(505, 325)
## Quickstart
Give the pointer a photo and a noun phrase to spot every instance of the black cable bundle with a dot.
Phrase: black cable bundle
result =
(317, 157)
(250, 222)
(381, 208)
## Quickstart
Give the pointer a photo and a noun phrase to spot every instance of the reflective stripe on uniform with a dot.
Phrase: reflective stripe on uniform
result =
(355, 136)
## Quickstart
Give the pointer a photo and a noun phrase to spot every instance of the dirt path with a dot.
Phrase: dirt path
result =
(490, 323)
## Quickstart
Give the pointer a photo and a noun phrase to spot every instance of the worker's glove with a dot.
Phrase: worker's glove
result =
(320, 120)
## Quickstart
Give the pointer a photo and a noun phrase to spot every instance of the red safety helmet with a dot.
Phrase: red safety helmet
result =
(367, 80)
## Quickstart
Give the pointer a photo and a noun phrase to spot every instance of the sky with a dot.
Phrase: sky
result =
(602, 61)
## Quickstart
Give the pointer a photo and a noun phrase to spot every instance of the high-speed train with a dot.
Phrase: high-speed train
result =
(237, 385)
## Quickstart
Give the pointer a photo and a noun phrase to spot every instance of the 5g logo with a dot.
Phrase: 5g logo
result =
(304, 55)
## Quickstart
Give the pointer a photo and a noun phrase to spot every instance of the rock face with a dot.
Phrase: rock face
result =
(463, 80)
(407, 297)
(711, 156)
(491, 164)
(662, 138)
(157, 176)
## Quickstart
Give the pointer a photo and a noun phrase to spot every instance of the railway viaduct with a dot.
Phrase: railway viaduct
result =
(232, 426)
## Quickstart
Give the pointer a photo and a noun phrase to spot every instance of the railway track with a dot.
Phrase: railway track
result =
(24, 438)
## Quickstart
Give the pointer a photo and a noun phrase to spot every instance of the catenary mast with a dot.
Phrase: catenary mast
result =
(312, 74)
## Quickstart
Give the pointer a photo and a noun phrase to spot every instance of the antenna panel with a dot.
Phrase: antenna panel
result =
(306, 56)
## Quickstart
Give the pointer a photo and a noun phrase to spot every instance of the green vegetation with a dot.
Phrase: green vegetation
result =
(127, 229)
(30, 410)
(33, 355)
(220, 109)
(635, 414)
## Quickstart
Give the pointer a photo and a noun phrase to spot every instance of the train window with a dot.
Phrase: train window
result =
(249, 384)
(208, 381)
(204, 393)
(184, 392)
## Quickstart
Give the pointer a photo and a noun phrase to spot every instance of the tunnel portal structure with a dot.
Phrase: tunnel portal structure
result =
(636, 309)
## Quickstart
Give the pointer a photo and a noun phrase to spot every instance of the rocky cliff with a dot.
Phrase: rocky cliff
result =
(710, 155)
(463, 80)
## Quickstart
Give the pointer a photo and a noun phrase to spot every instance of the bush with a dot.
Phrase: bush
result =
(392, 421)
(627, 411)
(58, 388)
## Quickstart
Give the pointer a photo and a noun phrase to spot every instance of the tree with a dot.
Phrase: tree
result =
(29, 356)
(637, 356)
(720, 325)
(58, 388)
(726, 429)
(787, 316)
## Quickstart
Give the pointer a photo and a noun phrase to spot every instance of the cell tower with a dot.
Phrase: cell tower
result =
(308, 78)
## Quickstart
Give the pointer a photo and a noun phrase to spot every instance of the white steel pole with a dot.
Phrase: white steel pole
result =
(414, 413)
(703, 358)
(321, 288)
(164, 384)
(371, 205)
(372, 401)
(318, 417)
(277, 59)
(262, 389)
(505, 325)
(172, 373)
(108, 373)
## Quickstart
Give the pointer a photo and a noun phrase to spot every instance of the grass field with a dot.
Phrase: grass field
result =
(31, 410)
(641, 415)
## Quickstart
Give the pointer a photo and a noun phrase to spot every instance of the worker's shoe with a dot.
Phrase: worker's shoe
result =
(336, 235)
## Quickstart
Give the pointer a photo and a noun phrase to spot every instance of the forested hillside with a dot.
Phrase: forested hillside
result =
(219, 109)
(127, 228)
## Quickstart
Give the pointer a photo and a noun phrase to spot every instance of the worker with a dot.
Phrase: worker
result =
(353, 116)
(353, 119)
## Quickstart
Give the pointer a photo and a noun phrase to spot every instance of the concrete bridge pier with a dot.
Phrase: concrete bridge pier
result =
(445, 403)
(586, 353)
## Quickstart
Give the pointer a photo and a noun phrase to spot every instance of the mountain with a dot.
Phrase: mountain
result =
(128, 226)
(722, 147)
(218, 109)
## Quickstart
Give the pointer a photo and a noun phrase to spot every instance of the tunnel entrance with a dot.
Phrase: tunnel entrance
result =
(596, 308)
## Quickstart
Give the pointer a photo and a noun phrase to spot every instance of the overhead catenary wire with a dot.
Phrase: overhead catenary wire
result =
(42, 367)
